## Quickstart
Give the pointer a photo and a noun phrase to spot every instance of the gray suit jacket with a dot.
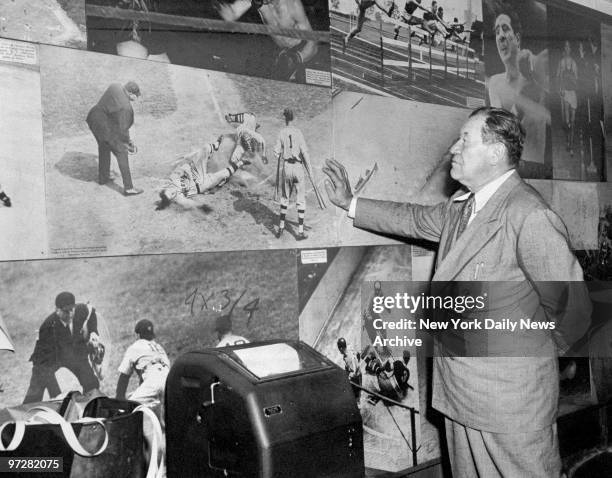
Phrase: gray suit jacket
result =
(515, 237)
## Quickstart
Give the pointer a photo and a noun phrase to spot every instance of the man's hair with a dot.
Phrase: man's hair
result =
(501, 126)
(515, 22)
(288, 114)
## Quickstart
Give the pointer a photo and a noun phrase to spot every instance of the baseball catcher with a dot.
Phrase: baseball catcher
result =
(191, 176)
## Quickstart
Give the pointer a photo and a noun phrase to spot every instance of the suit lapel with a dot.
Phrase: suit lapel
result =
(484, 225)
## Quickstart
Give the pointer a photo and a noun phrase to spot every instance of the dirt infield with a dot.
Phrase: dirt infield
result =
(180, 110)
(169, 290)
(21, 165)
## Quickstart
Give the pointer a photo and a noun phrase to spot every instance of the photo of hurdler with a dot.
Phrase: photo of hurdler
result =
(336, 319)
(428, 51)
(517, 75)
(144, 156)
(55, 22)
(22, 188)
(83, 316)
(285, 40)
(576, 100)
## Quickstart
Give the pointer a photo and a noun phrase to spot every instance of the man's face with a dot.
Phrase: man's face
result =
(471, 161)
(508, 42)
(66, 313)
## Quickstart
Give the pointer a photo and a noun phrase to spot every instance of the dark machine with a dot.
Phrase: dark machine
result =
(267, 409)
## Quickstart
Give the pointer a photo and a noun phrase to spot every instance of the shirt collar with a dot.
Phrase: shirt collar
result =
(484, 194)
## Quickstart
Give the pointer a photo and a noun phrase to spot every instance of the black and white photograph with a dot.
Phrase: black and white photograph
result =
(576, 102)
(93, 311)
(392, 159)
(285, 40)
(56, 22)
(335, 288)
(517, 71)
(22, 185)
(426, 51)
(606, 80)
(148, 157)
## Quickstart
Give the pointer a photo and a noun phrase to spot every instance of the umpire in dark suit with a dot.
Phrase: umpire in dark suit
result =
(110, 121)
(62, 343)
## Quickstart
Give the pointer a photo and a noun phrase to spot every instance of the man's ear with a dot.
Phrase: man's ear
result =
(498, 153)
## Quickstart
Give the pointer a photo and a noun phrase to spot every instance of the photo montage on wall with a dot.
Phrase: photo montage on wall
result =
(56, 22)
(336, 322)
(286, 41)
(576, 104)
(193, 301)
(427, 51)
(23, 230)
(517, 75)
(199, 145)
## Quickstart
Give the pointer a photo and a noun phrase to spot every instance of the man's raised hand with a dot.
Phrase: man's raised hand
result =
(337, 184)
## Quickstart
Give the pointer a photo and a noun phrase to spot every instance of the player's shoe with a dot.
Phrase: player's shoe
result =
(7, 201)
(279, 233)
(396, 34)
(133, 192)
(301, 236)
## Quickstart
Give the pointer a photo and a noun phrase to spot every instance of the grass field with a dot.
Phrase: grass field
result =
(158, 287)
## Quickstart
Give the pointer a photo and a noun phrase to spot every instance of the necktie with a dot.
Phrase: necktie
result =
(466, 213)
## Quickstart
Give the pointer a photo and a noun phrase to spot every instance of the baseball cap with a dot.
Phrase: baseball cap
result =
(132, 87)
(64, 299)
(288, 113)
(144, 328)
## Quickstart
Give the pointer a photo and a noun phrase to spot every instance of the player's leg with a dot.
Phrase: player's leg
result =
(4, 198)
(43, 378)
(284, 202)
(357, 28)
(300, 185)
(104, 159)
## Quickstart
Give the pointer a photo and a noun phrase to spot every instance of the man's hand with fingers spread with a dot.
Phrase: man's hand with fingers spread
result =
(337, 185)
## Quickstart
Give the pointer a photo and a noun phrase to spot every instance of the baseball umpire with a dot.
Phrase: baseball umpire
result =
(62, 342)
(110, 121)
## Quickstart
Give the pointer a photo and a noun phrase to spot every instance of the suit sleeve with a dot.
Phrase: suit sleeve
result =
(546, 258)
(401, 219)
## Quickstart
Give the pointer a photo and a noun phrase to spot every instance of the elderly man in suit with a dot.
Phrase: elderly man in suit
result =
(499, 409)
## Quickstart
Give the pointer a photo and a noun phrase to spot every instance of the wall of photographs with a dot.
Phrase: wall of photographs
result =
(383, 90)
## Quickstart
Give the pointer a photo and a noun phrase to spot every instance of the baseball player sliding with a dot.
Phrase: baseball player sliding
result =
(191, 176)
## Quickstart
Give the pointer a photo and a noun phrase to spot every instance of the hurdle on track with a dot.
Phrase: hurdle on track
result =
(414, 30)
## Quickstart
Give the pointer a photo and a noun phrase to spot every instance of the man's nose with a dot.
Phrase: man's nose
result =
(455, 148)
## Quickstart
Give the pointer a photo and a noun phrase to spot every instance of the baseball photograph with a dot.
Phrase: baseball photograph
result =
(94, 310)
(22, 188)
(414, 50)
(144, 157)
(336, 319)
(56, 22)
(284, 40)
